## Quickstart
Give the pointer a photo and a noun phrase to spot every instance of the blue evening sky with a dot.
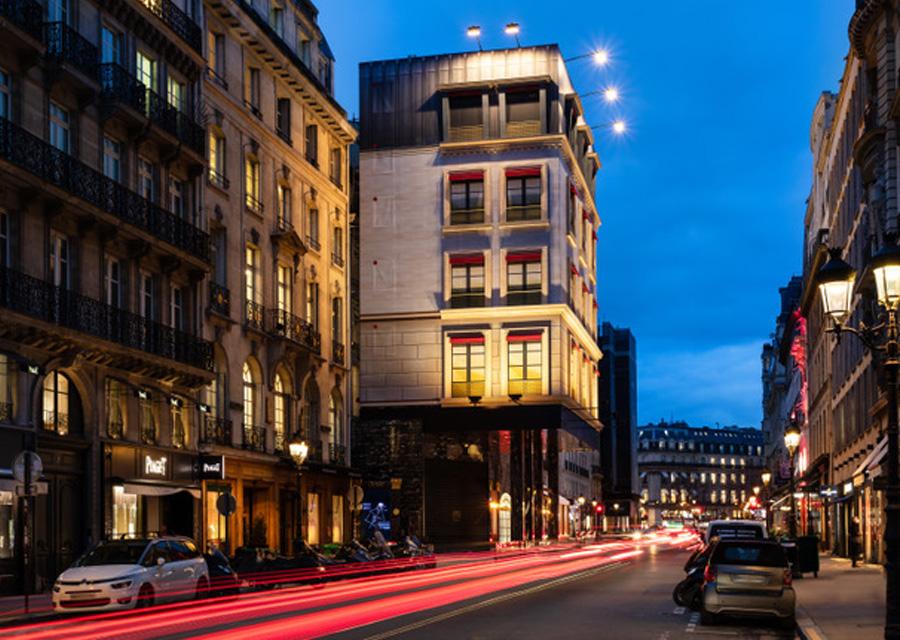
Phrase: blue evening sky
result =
(702, 201)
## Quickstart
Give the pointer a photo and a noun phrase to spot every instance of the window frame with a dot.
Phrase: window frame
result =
(468, 347)
(533, 345)
(465, 268)
(525, 296)
(468, 214)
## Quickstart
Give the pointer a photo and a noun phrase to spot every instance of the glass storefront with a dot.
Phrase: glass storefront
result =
(312, 518)
(337, 519)
(125, 512)
(7, 525)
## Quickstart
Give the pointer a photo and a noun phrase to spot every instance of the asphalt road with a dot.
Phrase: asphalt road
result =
(628, 600)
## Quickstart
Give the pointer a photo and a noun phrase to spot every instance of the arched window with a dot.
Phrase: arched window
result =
(249, 396)
(254, 436)
(282, 414)
(56, 403)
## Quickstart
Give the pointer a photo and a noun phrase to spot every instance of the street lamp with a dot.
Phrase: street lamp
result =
(792, 441)
(836, 286)
(475, 32)
(610, 93)
(618, 126)
(600, 56)
(766, 477)
(512, 29)
(298, 450)
(581, 513)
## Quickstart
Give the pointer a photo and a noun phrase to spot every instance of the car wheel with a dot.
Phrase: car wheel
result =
(145, 597)
(707, 618)
(678, 594)
(202, 589)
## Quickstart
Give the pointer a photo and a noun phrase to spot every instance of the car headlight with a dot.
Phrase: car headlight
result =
(122, 584)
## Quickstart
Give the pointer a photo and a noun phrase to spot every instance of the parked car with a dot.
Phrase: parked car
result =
(132, 573)
(753, 529)
(747, 577)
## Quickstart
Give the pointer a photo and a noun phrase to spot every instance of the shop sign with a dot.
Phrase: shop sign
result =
(829, 491)
(848, 488)
(211, 467)
(154, 466)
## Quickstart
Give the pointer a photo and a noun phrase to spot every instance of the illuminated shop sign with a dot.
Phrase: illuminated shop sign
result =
(211, 467)
(155, 466)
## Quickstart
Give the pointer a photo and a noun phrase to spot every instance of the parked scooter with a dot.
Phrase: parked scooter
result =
(687, 593)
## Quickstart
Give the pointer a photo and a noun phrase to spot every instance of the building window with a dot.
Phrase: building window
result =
(145, 178)
(176, 308)
(4, 94)
(467, 366)
(313, 408)
(4, 239)
(284, 208)
(283, 119)
(180, 434)
(276, 19)
(253, 287)
(467, 198)
(59, 127)
(337, 256)
(177, 92)
(337, 319)
(467, 282)
(147, 414)
(217, 58)
(125, 512)
(523, 112)
(7, 389)
(312, 304)
(281, 412)
(146, 295)
(56, 403)
(112, 282)
(523, 194)
(571, 208)
(116, 397)
(59, 260)
(466, 117)
(249, 396)
(217, 160)
(111, 158)
(336, 167)
(251, 172)
(525, 371)
(147, 74)
(251, 90)
(523, 278)
(312, 144)
(176, 197)
(312, 228)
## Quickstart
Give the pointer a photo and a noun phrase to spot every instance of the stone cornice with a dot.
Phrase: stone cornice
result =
(866, 13)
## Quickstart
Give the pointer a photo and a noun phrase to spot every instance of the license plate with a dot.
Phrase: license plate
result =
(83, 596)
(749, 579)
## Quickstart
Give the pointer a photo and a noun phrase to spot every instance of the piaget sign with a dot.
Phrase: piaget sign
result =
(154, 466)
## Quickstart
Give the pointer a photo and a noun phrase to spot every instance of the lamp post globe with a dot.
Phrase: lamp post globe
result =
(299, 450)
(792, 442)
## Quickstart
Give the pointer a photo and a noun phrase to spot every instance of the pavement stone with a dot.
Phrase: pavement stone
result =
(842, 603)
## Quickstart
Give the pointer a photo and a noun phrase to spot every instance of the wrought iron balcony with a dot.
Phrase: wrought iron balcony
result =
(177, 20)
(315, 449)
(148, 433)
(32, 154)
(64, 44)
(115, 429)
(217, 179)
(283, 324)
(27, 15)
(118, 84)
(254, 438)
(219, 299)
(313, 242)
(216, 431)
(337, 353)
(179, 435)
(6, 409)
(253, 204)
(280, 442)
(43, 301)
(254, 316)
(337, 454)
(337, 260)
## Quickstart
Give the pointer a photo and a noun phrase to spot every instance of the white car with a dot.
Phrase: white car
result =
(132, 573)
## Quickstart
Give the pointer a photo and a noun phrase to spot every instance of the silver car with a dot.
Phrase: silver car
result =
(747, 577)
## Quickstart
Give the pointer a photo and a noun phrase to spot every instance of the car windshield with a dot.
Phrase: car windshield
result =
(113, 552)
(761, 555)
(736, 531)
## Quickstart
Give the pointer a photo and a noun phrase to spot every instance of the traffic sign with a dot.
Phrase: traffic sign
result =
(226, 504)
(32, 460)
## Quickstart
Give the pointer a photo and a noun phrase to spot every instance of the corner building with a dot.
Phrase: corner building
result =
(478, 379)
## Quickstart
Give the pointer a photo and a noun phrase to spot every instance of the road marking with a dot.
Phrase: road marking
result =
(486, 603)
(812, 633)
(679, 611)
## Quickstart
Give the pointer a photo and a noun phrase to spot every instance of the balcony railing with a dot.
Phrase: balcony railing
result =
(216, 77)
(6, 409)
(177, 20)
(216, 431)
(467, 300)
(337, 454)
(115, 429)
(467, 216)
(280, 441)
(64, 44)
(286, 325)
(253, 203)
(514, 298)
(42, 300)
(119, 85)
(148, 433)
(217, 179)
(337, 260)
(219, 299)
(337, 353)
(62, 170)
(313, 243)
(254, 438)
(254, 316)
(520, 213)
(27, 15)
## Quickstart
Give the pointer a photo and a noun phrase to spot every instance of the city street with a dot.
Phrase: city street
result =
(581, 591)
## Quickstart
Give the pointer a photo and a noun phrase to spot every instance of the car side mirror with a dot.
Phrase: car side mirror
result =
(160, 561)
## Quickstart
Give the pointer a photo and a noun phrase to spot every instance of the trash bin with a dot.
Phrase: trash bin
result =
(808, 554)
(792, 551)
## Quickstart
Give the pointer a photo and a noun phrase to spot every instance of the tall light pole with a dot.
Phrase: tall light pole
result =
(836, 280)
(298, 450)
(766, 477)
(792, 441)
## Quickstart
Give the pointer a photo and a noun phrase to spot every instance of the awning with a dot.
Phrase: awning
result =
(157, 490)
(874, 458)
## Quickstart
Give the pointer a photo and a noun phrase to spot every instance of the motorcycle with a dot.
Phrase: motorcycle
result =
(688, 592)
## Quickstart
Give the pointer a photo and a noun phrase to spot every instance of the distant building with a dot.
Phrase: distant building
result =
(702, 473)
(618, 413)
(478, 394)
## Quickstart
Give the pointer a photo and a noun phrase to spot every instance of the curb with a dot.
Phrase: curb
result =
(806, 628)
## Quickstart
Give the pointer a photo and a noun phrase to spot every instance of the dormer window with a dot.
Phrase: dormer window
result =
(466, 117)
(523, 111)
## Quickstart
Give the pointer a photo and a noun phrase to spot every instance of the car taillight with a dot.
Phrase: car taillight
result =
(788, 579)
(709, 574)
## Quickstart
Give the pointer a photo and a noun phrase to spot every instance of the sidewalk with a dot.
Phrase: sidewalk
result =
(842, 602)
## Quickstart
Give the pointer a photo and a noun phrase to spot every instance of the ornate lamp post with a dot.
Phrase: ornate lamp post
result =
(836, 280)
(766, 478)
(581, 514)
(298, 450)
(792, 441)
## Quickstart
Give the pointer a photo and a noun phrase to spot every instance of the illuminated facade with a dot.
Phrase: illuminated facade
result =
(479, 350)
(698, 473)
